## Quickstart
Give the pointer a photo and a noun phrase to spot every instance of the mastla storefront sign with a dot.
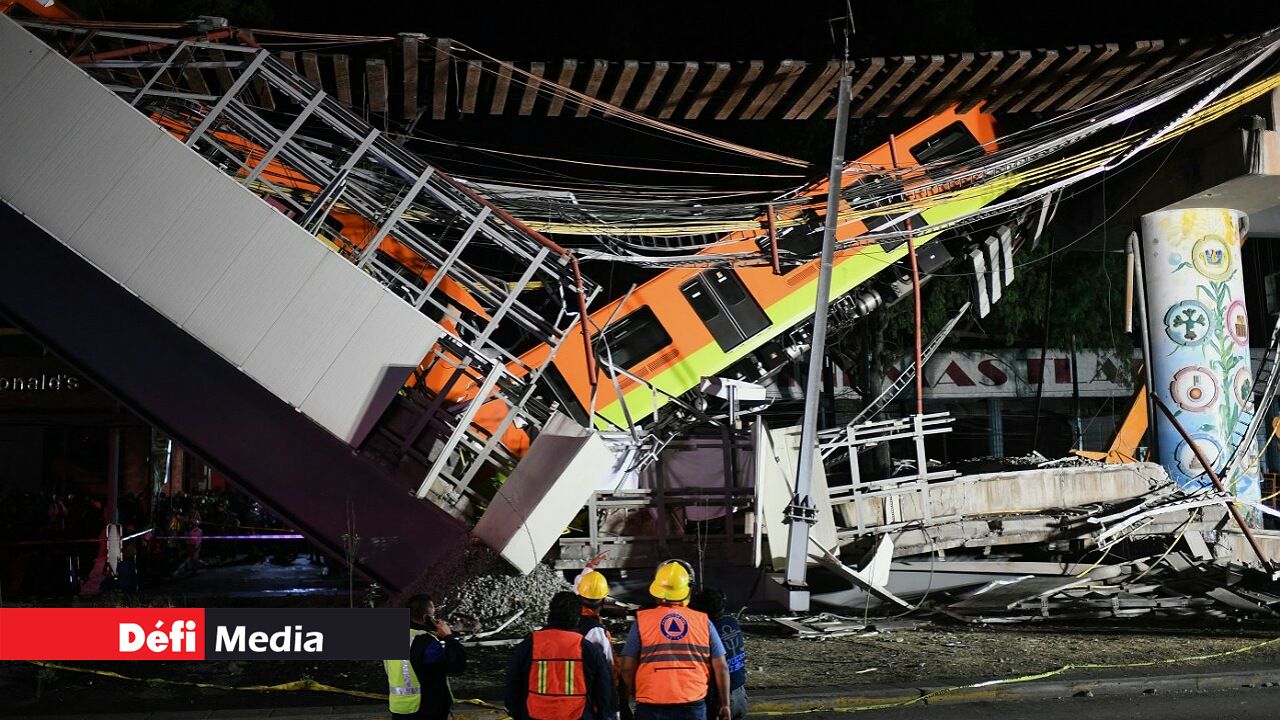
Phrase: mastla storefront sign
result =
(1017, 373)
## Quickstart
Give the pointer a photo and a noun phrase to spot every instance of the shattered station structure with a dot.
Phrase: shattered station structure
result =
(336, 341)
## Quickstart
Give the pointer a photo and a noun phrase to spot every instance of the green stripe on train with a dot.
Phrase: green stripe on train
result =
(784, 314)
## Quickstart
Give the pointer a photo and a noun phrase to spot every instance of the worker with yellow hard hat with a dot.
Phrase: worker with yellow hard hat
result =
(672, 651)
(592, 588)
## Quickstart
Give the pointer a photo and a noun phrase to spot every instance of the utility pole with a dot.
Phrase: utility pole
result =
(801, 513)
(915, 294)
(1140, 292)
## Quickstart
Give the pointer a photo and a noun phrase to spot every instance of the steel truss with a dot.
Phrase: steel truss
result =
(435, 241)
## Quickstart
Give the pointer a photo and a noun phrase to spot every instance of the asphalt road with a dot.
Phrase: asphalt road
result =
(1243, 704)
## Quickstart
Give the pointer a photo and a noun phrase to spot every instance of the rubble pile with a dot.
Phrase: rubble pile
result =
(1184, 582)
(1019, 462)
(1062, 541)
(494, 594)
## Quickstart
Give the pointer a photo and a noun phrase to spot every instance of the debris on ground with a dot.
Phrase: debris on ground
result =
(821, 627)
(1177, 584)
(493, 597)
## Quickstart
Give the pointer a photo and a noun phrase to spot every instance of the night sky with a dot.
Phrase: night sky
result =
(712, 30)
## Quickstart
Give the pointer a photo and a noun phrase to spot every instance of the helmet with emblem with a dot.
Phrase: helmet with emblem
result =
(672, 581)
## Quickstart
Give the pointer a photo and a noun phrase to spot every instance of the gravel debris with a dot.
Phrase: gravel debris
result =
(483, 586)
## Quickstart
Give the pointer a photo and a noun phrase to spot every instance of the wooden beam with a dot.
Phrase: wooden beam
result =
(677, 93)
(565, 79)
(440, 82)
(825, 81)
(167, 81)
(1058, 77)
(598, 69)
(342, 78)
(958, 66)
(409, 65)
(703, 96)
(136, 77)
(794, 71)
(311, 68)
(935, 62)
(262, 92)
(873, 68)
(1021, 57)
(1012, 89)
(531, 88)
(625, 77)
(660, 68)
(195, 80)
(749, 74)
(222, 72)
(762, 93)
(1150, 70)
(500, 88)
(471, 87)
(993, 59)
(1195, 55)
(905, 64)
(375, 78)
(1111, 75)
(1079, 76)
(289, 58)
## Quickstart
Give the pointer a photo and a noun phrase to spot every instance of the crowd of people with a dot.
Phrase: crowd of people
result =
(55, 541)
(683, 659)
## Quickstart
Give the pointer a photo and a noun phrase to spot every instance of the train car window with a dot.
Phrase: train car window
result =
(723, 304)
(703, 304)
(951, 140)
(633, 338)
(804, 240)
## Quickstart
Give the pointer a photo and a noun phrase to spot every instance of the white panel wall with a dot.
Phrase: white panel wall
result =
(251, 295)
(389, 333)
(314, 328)
(198, 247)
(124, 228)
(18, 54)
(38, 174)
(547, 489)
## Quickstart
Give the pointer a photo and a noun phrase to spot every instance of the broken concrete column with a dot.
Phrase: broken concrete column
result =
(1199, 331)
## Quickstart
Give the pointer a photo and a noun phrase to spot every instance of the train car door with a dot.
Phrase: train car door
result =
(725, 307)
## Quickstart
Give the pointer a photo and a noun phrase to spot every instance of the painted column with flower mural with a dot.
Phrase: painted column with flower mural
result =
(1200, 340)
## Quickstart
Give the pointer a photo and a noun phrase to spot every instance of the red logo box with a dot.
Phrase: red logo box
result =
(102, 633)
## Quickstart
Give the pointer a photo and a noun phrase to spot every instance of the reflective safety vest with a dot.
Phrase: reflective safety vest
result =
(675, 655)
(557, 679)
(405, 694)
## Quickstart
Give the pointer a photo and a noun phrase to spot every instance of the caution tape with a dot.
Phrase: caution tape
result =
(1018, 679)
(305, 683)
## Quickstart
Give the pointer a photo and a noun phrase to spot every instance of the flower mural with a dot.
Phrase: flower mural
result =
(1201, 360)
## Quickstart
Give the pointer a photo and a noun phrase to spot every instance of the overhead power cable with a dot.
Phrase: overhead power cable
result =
(1049, 178)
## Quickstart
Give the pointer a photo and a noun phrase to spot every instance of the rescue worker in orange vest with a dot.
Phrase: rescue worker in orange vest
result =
(556, 673)
(671, 652)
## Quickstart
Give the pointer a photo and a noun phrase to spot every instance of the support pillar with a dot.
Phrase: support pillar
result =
(1199, 333)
